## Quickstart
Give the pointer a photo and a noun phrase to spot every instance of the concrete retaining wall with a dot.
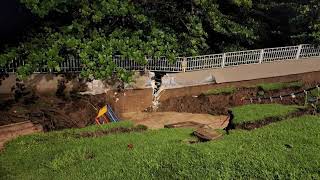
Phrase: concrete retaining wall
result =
(135, 100)
(139, 99)
(196, 90)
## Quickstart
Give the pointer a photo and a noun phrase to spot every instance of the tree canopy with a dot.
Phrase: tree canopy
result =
(96, 30)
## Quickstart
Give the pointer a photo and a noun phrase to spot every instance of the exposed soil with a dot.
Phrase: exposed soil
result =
(52, 113)
(269, 120)
(12, 131)
(117, 130)
(218, 104)
(157, 120)
(186, 124)
(74, 111)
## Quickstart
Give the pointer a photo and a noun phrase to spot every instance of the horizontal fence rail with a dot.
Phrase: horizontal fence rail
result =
(193, 63)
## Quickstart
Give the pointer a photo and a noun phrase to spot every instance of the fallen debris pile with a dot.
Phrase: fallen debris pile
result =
(52, 113)
(205, 134)
(203, 131)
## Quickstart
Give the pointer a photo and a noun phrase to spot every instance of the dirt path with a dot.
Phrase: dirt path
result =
(157, 120)
(11, 131)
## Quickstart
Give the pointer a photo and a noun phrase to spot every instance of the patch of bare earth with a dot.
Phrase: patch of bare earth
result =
(218, 104)
(11, 131)
(51, 112)
(157, 120)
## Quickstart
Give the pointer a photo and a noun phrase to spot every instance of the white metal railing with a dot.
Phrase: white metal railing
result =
(194, 63)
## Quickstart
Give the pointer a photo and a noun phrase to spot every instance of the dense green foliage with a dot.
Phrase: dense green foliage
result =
(94, 31)
(307, 22)
(256, 112)
(217, 91)
(279, 85)
(283, 150)
(292, 21)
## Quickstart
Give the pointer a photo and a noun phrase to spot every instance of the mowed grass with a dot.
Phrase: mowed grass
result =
(284, 150)
(257, 112)
(218, 91)
(279, 86)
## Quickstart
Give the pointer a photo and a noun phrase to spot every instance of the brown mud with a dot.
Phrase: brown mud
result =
(12, 131)
(52, 113)
(158, 120)
(218, 104)
(75, 111)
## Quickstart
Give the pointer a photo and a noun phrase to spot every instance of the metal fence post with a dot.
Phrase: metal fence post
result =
(299, 51)
(13, 68)
(184, 64)
(261, 56)
(223, 60)
(145, 67)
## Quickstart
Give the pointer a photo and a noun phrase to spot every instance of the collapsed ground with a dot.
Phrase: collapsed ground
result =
(58, 112)
(281, 150)
(217, 101)
(52, 112)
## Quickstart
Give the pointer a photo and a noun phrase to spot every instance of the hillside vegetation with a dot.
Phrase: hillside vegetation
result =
(97, 30)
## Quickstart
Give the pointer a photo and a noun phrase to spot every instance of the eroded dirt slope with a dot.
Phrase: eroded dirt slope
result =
(51, 112)
(218, 104)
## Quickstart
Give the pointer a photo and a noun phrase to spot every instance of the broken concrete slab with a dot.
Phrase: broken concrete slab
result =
(207, 134)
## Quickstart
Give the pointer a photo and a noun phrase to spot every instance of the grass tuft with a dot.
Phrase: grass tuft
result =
(279, 86)
(125, 124)
(218, 91)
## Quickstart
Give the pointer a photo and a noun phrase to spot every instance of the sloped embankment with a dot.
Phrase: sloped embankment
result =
(217, 104)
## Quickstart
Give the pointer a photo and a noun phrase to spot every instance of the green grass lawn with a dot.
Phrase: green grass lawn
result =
(284, 150)
(218, 91)
(256, 112)
(280, 85)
